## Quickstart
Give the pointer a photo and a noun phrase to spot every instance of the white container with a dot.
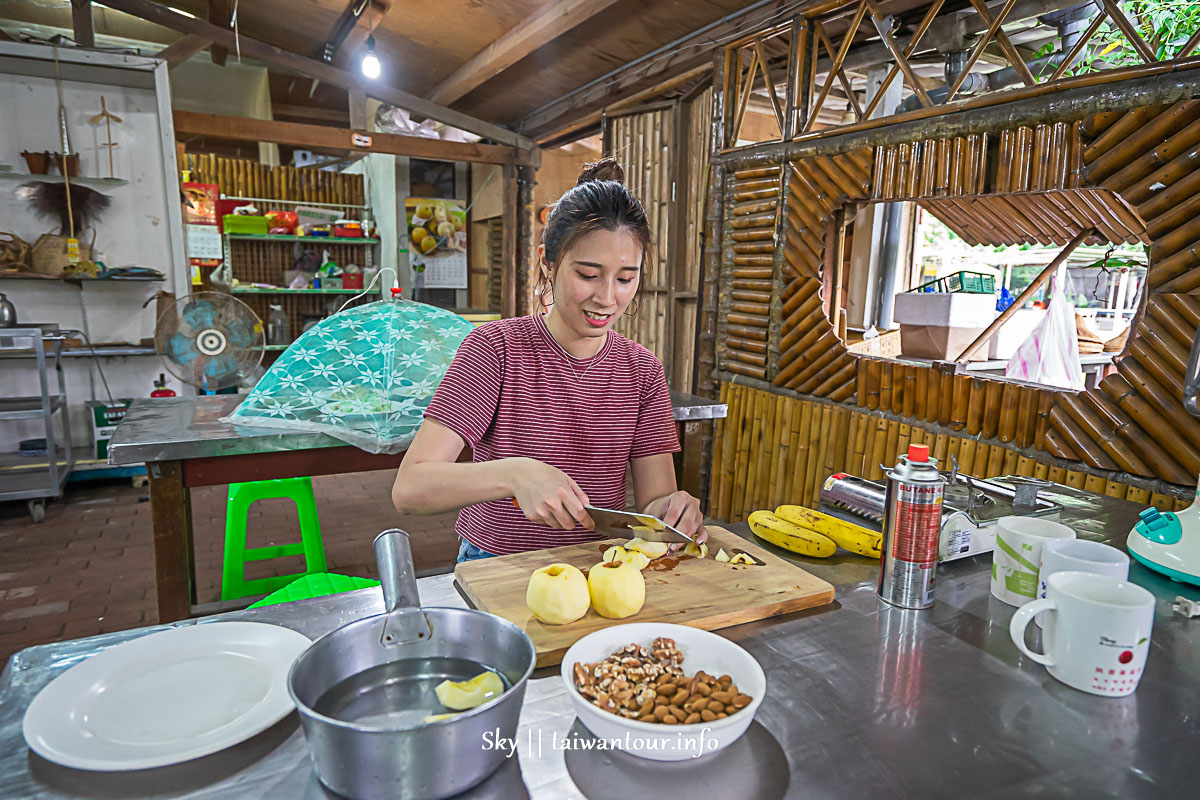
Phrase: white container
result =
(701, 650)
(945, 309)
(1014, 332)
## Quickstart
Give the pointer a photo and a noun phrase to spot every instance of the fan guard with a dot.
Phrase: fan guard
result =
(210, 340)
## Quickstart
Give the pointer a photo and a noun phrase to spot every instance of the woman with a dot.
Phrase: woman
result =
(555, 407)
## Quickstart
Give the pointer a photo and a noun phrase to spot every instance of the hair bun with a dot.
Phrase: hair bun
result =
(606, 169)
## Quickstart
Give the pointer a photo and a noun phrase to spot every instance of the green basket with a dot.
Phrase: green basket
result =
(969, 282)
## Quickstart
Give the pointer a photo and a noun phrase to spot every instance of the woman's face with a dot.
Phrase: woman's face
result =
(596, 280)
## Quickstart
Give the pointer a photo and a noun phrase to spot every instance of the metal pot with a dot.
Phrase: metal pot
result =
(363, 692)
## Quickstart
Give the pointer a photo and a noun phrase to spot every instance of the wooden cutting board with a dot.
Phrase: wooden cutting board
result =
(702, 593)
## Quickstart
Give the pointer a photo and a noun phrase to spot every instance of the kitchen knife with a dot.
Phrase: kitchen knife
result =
(630, 525)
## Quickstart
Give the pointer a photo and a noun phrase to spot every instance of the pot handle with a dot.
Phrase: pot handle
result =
(393, 554)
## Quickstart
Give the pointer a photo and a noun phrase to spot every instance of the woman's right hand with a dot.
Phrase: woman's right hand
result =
(547, 495)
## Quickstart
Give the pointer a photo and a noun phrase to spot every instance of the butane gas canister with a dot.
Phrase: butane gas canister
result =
(911, 525)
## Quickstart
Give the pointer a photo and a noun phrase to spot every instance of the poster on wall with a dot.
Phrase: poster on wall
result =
(437, 235)
(204, 247)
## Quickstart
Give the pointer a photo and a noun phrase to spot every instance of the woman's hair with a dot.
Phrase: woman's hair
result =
(599, 200)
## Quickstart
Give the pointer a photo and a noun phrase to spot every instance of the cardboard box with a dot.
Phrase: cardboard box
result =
(104, 419)
(940, 325)
(884, 345)
(939, 342)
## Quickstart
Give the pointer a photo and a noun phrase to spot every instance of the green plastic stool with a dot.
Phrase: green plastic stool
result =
(234, 584)
(319, 585)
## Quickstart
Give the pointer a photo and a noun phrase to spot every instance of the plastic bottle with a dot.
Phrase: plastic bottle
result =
(278, 327)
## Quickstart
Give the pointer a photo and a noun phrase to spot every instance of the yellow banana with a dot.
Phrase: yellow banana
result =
(791, 537)
(847, 535)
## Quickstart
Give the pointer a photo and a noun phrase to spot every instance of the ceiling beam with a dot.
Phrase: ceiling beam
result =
(311, 112)
(528, 35)
(686, 53)
(354, 11)
(272, 55)
(298, 134)
(81, 21)
(220, 13)
(182, 49)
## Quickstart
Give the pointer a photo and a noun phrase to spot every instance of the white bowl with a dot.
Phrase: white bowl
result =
(701, 650)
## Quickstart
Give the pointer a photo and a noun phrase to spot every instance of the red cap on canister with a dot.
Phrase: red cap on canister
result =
(396, 291)
(918, 452)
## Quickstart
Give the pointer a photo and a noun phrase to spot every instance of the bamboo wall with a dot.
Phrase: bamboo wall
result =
(1135, 175)
(746, 306)
(774, 449)
(642, 144)
(239, 177)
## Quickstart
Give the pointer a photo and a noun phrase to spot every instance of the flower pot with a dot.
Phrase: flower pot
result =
(38, 163)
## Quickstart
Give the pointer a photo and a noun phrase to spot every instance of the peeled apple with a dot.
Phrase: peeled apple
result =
(651, 550)
(557, 594)
(461, 695)
(618, 553)
(697, 550)
(617, 588)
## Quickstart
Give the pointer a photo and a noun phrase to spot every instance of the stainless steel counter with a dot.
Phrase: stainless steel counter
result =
(179, 428)
(864, 700)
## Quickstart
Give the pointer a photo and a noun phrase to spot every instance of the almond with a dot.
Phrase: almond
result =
(692, 719)
(707, 715)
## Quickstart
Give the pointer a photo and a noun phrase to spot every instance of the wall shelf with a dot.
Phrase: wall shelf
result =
(282, 290)
(287, 237)
(81, 180)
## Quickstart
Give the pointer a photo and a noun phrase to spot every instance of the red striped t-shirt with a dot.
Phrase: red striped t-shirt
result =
(513, 391)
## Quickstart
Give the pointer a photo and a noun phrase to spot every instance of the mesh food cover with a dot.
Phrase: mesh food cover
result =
(364, 375)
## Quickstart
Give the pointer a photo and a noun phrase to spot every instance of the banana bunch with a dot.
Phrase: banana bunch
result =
(813, 533)
(792, 537)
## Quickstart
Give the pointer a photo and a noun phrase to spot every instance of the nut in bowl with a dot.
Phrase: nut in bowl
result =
(703, 657)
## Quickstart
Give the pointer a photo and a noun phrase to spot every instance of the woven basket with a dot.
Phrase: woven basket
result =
(49, 255)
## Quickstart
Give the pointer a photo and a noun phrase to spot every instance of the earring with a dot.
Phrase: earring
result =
(549, 287)
(633, 309)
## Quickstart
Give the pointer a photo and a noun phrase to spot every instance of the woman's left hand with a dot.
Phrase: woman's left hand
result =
(682, 511)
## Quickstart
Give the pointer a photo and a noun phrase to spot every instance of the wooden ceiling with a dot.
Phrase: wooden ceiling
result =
(527, 53)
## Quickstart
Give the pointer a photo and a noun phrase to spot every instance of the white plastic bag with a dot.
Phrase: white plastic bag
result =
(1050, 356)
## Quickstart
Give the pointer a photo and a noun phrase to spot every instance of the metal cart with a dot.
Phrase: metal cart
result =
(35, 483)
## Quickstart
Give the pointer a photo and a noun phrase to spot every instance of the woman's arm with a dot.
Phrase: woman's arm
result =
(655, 492)
(431, 481)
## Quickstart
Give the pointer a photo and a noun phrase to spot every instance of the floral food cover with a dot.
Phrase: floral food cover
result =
(364, 375)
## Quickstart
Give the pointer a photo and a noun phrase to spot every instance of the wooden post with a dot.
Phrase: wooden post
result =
(171, 521)
(1042, 277)
(508, 233)
(81, 21)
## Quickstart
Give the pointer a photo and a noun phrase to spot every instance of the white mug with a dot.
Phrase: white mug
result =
(1080, 555)
(1018, 556)
(1096, 631)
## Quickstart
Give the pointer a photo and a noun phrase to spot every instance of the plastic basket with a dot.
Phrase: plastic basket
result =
(970, 282)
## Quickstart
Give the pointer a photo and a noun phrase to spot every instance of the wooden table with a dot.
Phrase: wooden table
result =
(185, 445)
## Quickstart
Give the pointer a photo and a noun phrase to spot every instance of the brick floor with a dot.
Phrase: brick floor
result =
(89, 568)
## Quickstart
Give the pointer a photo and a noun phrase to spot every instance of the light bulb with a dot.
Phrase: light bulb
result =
(370, 62)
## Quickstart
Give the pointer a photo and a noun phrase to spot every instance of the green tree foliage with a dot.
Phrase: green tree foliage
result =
(1165, 25)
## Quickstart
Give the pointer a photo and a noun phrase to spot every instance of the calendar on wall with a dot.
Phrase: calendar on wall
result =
(437, 242)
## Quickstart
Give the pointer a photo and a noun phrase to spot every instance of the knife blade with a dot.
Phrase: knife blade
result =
(630, 525)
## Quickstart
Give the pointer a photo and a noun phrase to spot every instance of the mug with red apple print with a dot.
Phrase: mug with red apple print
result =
(1095, 631)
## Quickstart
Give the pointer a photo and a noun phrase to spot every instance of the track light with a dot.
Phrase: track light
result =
(370, 61)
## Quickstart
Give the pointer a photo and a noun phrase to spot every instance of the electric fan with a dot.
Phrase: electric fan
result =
(210, 340)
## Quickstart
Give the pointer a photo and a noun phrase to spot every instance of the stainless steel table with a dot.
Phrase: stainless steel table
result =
(185, 445)
(863, 700)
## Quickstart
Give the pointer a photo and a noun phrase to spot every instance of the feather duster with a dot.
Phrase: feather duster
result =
(49, 200)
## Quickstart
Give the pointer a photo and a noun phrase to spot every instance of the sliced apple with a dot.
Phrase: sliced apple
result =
(721, 555)
(697, 550)
(618, 553)
(651, 550)
(461, 695)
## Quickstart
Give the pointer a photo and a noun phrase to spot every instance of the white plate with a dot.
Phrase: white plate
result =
(166, 698)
